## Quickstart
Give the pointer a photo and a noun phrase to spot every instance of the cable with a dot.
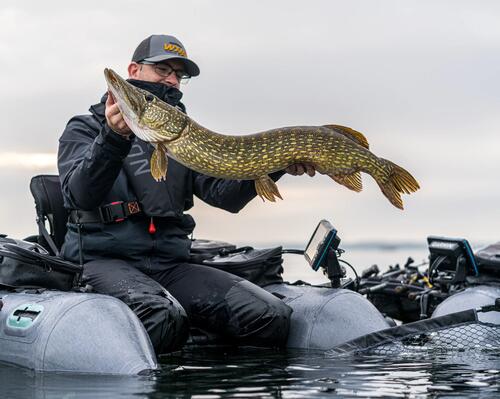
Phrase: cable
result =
(434, 267)
(355, 273)
(293, 251)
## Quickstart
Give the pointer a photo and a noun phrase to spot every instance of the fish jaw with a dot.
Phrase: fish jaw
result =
(129, 102)
(133, 103)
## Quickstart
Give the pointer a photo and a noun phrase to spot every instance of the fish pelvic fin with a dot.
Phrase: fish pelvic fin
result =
(267, 189)
(352, 182)
(159, 163)
(351, 134)
(399, 182)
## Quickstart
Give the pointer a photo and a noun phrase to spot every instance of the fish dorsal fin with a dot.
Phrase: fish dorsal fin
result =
(350, 134)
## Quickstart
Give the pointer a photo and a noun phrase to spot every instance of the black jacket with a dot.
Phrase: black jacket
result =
(90, 161)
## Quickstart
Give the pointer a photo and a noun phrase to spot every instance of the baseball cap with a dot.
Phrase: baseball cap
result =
(157, 48)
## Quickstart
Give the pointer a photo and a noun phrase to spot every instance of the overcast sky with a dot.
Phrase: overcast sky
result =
(419, 78)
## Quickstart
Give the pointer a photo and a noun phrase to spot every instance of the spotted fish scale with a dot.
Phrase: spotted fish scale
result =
(338, 151)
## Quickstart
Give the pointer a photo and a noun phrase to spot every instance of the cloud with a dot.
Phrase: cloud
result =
(30, 161)
(418, 78)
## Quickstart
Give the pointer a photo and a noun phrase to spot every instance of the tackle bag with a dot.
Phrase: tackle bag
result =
(259, 266)
(27, 264)
(488, 259)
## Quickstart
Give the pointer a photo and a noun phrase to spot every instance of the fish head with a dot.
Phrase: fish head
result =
(150, 118)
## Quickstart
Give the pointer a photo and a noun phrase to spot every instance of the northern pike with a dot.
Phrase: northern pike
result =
(338, 151)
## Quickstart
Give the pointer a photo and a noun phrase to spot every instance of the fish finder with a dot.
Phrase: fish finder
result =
(323, 240)
(451, 260)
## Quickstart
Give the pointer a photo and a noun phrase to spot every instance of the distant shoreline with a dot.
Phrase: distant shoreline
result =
(368, 245)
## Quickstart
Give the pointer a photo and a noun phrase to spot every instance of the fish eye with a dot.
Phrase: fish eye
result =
(149, 97)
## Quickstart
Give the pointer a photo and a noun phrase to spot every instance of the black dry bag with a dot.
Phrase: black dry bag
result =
(259, 266)
(27, 264)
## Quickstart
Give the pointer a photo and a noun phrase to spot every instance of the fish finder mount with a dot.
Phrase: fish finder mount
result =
(322, 251)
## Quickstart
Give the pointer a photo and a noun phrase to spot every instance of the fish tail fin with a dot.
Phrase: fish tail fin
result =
(399, 182)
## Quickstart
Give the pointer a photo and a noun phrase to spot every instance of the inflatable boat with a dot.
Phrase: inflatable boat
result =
(50, 330)
(50, 323)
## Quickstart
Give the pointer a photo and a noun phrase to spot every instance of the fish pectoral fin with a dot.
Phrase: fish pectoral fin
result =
(351, 134)
(352, 181)
(159, 163)
(267, 189)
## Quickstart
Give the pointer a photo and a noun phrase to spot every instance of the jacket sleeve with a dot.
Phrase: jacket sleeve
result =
(89, 161)
(230, 195)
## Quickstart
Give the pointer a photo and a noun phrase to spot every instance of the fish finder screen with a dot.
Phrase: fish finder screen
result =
(316, 246)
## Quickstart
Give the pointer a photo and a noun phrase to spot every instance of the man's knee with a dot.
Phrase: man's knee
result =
(163, 317)
(274, 321)
(257, 317)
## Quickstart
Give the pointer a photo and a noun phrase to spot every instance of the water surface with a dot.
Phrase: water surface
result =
(259, 373)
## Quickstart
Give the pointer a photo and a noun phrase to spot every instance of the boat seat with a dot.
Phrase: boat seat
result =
(49, 205)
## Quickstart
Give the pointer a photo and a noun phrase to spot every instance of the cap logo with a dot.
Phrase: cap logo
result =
(174, 48)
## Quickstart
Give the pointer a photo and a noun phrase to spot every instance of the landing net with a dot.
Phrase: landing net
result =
(457, 332)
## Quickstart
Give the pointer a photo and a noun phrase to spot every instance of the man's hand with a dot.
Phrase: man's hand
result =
(114, 118)
(299, 169)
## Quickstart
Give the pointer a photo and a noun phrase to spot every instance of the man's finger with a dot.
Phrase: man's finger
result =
(300, 169)
(116, 119)
(110, 98)
(310, 170)
(109, 101)
(113, 109)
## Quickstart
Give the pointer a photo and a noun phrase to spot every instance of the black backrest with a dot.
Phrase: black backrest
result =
(46, 190)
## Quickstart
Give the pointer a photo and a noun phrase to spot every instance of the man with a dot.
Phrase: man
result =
(131, 232)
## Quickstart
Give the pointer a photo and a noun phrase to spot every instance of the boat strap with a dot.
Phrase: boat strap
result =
(43, 230)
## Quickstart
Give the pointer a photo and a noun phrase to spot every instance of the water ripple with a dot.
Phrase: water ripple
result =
(209, 373)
